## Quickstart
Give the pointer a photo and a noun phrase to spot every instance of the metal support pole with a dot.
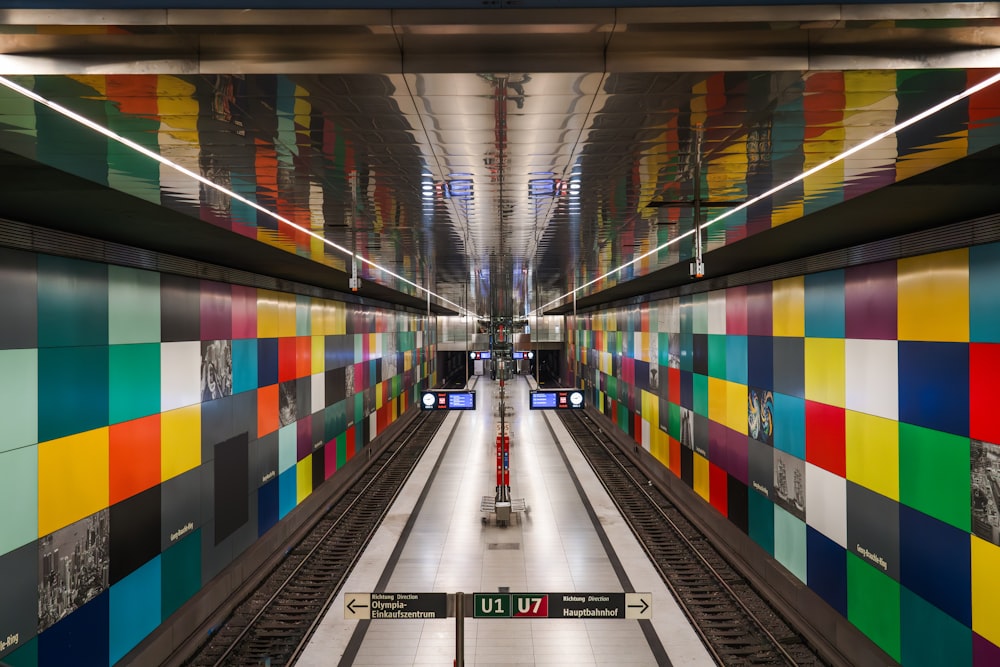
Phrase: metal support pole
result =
(459, 629)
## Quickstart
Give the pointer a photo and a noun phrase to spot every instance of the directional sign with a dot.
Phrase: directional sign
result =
(395, 605)
(562, 605)
(638, 605)
(358, 606)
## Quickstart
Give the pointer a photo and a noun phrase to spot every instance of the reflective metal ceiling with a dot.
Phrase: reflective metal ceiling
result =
(499, 158)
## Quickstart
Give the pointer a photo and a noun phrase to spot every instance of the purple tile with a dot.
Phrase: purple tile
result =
(760, 319)
(216, 311)
(870, 299)
(984, 652)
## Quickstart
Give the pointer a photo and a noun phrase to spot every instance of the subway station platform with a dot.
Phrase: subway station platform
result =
(562, 543)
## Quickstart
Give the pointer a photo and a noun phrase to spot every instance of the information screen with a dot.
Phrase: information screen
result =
(486, 354)
(556, 399)
(443, 399)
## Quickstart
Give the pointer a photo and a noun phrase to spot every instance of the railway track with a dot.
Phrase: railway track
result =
(737, 626)
(272, 625)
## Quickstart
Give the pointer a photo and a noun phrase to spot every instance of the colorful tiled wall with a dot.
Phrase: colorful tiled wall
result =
(153, 426)
(846, 421)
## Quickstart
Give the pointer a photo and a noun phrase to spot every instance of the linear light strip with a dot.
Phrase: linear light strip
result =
(986, 83)
(82, 120)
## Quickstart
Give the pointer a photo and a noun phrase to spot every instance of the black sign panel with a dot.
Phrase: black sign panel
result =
(442, 399)
(556, 399)
(360, 606)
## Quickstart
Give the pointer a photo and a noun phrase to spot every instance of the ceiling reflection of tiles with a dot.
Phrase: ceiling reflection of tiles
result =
(551, 178)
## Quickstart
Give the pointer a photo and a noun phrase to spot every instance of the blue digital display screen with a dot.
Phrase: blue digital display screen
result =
(462, 400)
(556, 399)
(448, 400)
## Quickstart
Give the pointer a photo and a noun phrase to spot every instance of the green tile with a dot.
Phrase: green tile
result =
(873, 601)
(341, 450)
(934, 474)
(72, 302)
(181, 572)
(133, 306)
(134, 381)
(26, 656)
(930, 637)
(72, 390)
(674, 421)
(717, 356)
(700, 398)
(18, 488)
(18, 398)
(790, 542)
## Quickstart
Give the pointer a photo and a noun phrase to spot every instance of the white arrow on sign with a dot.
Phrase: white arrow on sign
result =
(639, 605)
(357, 606)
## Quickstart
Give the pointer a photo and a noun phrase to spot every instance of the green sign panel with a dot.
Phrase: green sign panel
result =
(491, 605)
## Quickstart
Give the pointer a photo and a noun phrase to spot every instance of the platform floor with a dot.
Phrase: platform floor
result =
(552, 547)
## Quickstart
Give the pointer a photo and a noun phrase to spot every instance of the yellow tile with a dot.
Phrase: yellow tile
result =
(985, 589)
(789, 299)
(872, 452)
(934, 296)
(339, 318)
(824, 370)
(286, 315)
(718, 400)
(180, 441)
(318, 361)
(303, 479)
(72, 479)
(267, 314)
(652, 413)
(701, 476)
(317, 317)
(736, 407)
(660, 447)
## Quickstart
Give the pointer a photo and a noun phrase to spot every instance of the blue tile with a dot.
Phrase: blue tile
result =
(80, 639)
(935, 563)
(826, 569)
(934, 385)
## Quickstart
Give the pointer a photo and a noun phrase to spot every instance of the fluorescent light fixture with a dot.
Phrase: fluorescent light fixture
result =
(986, 83)
(86, 122)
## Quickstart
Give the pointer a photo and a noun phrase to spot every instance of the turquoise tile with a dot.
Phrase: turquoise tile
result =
(824, 304)
(984, 300)
(790, 424)
(134, 381)
(790, 542)
(133, 306)
(244, 365)
(72, 390)
(303, 321)
(72, 302)
(18, 398)
(287, 492)
(287, 447)
(18, 488)
(736, 359)
(134, 609)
